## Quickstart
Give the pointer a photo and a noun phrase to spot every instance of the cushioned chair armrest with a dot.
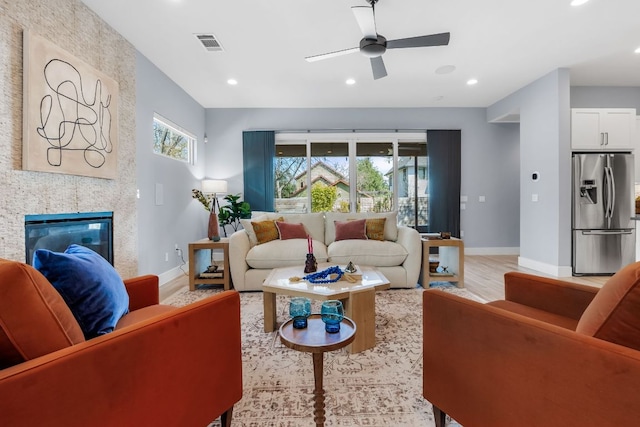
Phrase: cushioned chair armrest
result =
(488, 367)
(552, 295)
(143, 291)
(181, 368)
(239, 246)
(409, 238)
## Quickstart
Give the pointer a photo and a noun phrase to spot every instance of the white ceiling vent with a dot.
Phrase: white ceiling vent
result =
(210, 42)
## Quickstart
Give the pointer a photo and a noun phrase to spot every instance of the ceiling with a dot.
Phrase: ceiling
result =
(504, 44)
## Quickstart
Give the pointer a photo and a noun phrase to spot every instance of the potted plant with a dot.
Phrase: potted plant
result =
(233, 212)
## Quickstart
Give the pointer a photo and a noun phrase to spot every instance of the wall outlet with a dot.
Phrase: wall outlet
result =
(176, 246)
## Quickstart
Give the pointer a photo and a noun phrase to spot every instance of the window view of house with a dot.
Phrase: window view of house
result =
(413, 185)
(318, 177)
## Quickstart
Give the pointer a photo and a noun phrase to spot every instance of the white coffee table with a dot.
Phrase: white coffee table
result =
(359, 298)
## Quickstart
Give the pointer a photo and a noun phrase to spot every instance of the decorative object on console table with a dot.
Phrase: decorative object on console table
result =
(310, 265)
(638, 205)
(209, 199)
(332, 314)
(300, 310)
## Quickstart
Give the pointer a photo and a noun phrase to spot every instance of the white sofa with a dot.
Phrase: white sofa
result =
(398, 256)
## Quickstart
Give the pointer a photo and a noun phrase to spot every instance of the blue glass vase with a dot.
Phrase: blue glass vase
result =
(299, 310)
(332, 314)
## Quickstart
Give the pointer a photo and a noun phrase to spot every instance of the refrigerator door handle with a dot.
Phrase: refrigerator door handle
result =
(605, 232)
(612, 183)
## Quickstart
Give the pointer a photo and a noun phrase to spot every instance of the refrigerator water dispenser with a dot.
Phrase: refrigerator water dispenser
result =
(588, 192)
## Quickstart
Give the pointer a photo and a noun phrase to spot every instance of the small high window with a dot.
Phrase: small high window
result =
(172, 141)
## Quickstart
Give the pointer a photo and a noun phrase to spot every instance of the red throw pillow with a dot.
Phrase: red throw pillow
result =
(355, 229)
(291, 231)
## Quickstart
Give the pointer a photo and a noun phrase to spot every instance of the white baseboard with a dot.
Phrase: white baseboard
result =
(492, 251)
(550, 269)
(168, 276)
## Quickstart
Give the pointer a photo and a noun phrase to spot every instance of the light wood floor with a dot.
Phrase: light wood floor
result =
(483, 276)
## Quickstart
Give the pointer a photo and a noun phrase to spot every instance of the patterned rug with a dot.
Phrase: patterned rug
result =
(377, 387)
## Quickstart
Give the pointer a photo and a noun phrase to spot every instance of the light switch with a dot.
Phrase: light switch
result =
(534, 197)
(464, 198)
(481, 199)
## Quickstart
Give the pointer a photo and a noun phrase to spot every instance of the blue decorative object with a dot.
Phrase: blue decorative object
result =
(300, 309)
(89, 285)
(319, 277)
(332, 314)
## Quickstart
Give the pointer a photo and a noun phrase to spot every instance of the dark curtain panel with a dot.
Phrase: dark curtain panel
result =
(258, 151)
(443, 150)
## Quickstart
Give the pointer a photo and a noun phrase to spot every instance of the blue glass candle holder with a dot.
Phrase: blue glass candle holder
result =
(299, 310)
(332, 314)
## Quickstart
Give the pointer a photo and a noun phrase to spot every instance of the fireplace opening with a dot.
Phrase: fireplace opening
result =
(56, 232)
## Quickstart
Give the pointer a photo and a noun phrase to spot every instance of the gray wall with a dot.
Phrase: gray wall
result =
(490, 156)
(180, 219)
(545, 226)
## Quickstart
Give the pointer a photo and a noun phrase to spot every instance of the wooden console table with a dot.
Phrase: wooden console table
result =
(450, 255)
(198, 262)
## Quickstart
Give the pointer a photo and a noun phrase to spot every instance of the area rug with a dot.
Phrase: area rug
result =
(377, 387)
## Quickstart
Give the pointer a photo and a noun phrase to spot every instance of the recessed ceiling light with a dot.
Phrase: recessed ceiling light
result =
(578, 2)
(637, 50)
(445, 69)
(471, 82)
(232, 82)
(350, 81)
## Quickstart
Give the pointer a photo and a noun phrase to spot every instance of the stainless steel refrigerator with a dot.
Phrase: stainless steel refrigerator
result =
(603, 203)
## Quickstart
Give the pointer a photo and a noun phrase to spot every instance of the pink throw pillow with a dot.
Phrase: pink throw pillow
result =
(354, 229)
(291, 231)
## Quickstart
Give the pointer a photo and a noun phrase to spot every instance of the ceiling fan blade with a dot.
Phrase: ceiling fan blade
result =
(441, 39)
(366, 20)
(332, 54)
(378, 68)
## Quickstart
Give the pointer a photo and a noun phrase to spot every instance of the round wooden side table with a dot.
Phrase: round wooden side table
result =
(315, 340)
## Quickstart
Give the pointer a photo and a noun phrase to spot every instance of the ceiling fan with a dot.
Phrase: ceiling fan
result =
(373, 45)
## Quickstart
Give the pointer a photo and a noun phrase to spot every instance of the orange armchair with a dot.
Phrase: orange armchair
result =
(521, 361)
(162, 366)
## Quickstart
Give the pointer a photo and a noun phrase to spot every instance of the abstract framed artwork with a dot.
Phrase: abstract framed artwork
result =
(70, 113)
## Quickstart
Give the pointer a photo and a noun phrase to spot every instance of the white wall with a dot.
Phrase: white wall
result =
(490, 156)
(179, 219)
(545, 225)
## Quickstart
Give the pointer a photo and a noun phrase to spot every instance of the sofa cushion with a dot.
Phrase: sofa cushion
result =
(248, 228)
(371, 252)
(349, 230)
(313, 223)
(375, 228)
(390, 225)
(265, 231)
(34, 319)
(613, 314)
(284, 253)
(291, 231)
(89, 285)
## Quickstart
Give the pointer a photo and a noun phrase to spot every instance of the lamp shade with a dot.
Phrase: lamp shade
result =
(210, 186)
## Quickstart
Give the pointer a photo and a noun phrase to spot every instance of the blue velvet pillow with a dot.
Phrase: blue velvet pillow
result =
(89, 285)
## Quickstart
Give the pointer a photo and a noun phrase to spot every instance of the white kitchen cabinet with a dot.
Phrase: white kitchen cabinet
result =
(603, 129)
